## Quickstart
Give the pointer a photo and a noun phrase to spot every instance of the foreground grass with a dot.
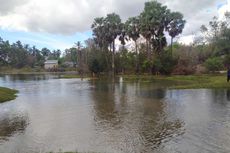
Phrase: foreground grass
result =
(188, 82)
(7, 94)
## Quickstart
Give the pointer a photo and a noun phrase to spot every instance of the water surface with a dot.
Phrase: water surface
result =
(52, 114)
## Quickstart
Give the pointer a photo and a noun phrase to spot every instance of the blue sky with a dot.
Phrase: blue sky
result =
(58, 24)
(40, 40)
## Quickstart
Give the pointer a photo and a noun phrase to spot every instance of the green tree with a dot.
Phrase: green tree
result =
(79, 57)
(175, 26)
(45, 52)
(114, 29)
(4, 52)
(100, 30)
(153, 23)
(217, 34)
(132, 28)
(214, 64)
(18, 55)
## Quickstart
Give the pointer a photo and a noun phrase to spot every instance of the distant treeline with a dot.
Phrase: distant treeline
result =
(18, 55)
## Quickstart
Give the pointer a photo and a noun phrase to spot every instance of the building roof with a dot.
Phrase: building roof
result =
(51, 62)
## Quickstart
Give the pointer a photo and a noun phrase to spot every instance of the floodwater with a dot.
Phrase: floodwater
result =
(52, 114)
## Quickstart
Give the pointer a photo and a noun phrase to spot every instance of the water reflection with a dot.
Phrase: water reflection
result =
(221, 96)
(104, 98)
(228, 94)
(116, 117)
(152, 93)
(139, 116)
(26, 77)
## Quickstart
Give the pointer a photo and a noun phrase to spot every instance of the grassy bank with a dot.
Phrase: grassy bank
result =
(70, 76)
(180, 82)
(28, 70)
(24, 70)
(76, 76)
(198, 82)
(187, 82)
(7, 94)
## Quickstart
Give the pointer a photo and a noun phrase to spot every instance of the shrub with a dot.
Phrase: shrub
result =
(214, 64)
(227, 60)
(184, 67)
(146, 65)
(167, 63)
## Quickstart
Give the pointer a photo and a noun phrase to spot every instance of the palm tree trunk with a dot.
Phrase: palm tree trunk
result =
(80, 64)
(171, 46)
(148, 54)
(106, 53)
(137, 59)
(113, 59)
(147, 47)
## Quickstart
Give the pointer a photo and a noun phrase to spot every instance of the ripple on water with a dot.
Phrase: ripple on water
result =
(69, 114)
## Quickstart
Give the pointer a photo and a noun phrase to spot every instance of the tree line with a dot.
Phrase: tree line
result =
(152, 25)
(18, 55)
(209, 52)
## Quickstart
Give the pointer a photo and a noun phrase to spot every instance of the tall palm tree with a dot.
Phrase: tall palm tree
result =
(114, 29)
(175, 26)
(152, 28)
(132, 28)
(78, 46)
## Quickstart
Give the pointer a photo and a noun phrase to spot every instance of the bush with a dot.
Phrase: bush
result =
(146, 65)
(167, 63)
(157, 64)
(95, 66)
(97, 62)
(214, 64)
(184, 67)
(227, 60)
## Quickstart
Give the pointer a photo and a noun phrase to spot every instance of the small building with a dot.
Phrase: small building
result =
(69, 64)
(50, 64)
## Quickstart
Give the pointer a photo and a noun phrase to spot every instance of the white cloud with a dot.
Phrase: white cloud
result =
(48, 42)
(70, 16)
(224, 9)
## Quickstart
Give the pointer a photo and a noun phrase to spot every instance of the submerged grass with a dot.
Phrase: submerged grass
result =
(70, 76)
(74, 76)
(181, 82)
(198, 82)
(187, 82)
(7, 94)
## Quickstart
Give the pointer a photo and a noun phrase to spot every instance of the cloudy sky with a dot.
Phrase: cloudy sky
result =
(59, 23)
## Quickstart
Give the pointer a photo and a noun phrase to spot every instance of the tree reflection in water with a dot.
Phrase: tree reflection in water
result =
(228, 94)
(132, 117)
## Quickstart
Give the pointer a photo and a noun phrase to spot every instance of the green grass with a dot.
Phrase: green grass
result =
(177, 82)
(75, 76)
(24, 70)
(180, 82)
(198, 82)
(7, 94)
(187, 82)
(70, 76)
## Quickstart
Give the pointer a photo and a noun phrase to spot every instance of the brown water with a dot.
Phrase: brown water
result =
(52, 114)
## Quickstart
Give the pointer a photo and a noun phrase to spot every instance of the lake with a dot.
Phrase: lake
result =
(53, 114)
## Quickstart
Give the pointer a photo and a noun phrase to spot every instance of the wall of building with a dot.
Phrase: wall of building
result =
(50, 66)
